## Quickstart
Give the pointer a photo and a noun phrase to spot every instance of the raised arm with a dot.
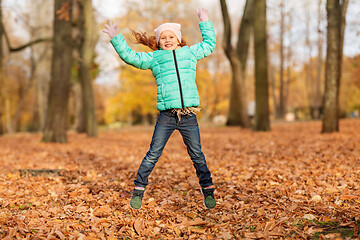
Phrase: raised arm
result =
(208, 44)
(140, 60)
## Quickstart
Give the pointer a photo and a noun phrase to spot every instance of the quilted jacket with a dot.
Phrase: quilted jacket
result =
(174, 71)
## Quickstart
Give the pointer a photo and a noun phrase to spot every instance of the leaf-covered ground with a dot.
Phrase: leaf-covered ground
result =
(292, 182)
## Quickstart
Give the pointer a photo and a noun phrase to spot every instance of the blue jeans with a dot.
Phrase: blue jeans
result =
(188, 127)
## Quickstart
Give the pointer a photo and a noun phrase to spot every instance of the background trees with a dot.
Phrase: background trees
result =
(336, 12)
(238, 58)
(87, 38)
(295, 41)
(56, 119)
(262, 118)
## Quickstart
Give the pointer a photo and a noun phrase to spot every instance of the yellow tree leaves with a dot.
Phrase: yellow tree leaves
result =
(349, 99)
(214, 90)
(137, 94)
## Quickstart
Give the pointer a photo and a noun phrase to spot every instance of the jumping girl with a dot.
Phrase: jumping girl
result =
(173, 65)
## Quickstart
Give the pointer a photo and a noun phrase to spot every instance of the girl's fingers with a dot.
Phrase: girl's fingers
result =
(110, 28)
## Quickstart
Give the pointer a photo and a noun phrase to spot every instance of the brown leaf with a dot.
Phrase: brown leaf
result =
(348, 197)
(103, 211)
(269, 226)
(64, 12)
(356, 231)
(196, 222)
(60, 234)
(349, 224)
(191, 215)
(139, 226)
(331, 190)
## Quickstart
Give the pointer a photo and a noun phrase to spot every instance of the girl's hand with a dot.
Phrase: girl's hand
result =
(202, 14)
(111, 29)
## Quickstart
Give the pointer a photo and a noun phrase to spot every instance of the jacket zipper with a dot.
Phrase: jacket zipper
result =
(178, 76)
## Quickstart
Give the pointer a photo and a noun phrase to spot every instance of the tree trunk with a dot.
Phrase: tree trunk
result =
(336, 12)
(273, 89)
(237, 112)
(41, 98)
(1, 71)
(289, 67)
(262, 120)
(56, 119)
(281, 109)
(317, 100)
(24, 93)
(88, 28)
(234, 110)
(309, 78)
(246, 28)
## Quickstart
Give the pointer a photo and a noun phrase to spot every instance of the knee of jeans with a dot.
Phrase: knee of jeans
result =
(199, 161)
(197, 156)
(152, 156)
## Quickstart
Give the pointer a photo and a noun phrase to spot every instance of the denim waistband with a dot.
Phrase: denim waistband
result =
(168, 112)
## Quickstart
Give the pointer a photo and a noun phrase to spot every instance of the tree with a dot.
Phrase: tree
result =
(313, 72)
(336, 12)
(238, 57)
(39, 55)
(316, 110)
(280, 110)
(1, 70)
(56, 119)
(10, 49)
(87, 44)
(262, 120)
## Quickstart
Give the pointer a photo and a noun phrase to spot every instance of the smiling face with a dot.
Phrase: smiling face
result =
(168, 41)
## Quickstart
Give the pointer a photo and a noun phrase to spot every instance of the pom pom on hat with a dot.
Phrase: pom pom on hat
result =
(174, 27)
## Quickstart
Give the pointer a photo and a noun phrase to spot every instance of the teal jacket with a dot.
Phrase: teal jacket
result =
(174, 71)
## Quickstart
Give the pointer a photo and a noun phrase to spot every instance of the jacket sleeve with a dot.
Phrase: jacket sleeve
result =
(207, 46)
(140, 60)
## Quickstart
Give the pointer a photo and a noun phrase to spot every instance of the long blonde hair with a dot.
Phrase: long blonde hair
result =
(150, 42)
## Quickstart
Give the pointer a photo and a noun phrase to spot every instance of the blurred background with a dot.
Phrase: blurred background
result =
(124, 96)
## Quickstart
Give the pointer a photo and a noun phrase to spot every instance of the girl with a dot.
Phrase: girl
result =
(173, 65)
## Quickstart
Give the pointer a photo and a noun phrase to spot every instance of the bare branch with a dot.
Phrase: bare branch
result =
(246, 28)
(227, 29)
(17, 49)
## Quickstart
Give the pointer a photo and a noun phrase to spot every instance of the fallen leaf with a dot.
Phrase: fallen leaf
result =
(191, 215)
(269, 226)
(103, 211)
(196, 222)
(139, 226)
(316, 198)
(309, 217)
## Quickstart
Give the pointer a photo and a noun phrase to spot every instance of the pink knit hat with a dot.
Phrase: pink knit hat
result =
(174, 27)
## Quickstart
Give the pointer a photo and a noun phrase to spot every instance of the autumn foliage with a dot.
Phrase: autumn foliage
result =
(292, 182)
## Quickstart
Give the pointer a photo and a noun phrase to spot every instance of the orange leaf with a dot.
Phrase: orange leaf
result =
(139, 226)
